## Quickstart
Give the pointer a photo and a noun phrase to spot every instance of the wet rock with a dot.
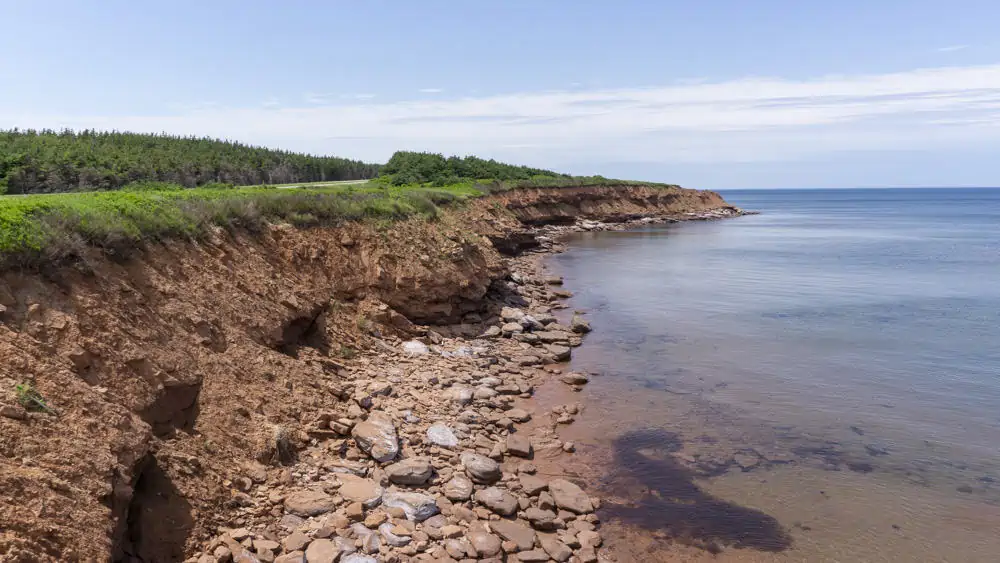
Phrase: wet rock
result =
(377, 437)
(417, 506)
(497, 500)
(521, 535)
(570, 497)
(480, 468)
(414, 471)
(442, 435)
(519, 445)
(309, 503)
(322, 551)
(579, 325)
(458, 489)
(575, 379)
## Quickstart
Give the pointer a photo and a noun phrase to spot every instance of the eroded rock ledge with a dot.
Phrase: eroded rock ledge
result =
(271, 397)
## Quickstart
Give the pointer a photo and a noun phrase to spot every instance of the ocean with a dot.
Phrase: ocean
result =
(820, 382)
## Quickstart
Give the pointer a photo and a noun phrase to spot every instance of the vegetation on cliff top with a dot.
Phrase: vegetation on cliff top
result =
(34, 162)
(143, 189)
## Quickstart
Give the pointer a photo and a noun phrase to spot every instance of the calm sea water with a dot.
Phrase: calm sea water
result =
(852, 331)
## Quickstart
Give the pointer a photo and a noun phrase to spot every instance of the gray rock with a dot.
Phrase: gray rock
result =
(575, 379)
(559, 352)
(460, 395)
(415, 348)
(511, 328)
(358, 558)
(377, 437)
(417, 506)
(413, 471)
(570, 497)
(309, 503)
(441, 435)
(480, 468)
(511, 315)
(458, 489)
(498, 500)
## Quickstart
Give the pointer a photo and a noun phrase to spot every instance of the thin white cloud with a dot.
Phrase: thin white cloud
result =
(430, 90)
(952, 48)
(744, 120)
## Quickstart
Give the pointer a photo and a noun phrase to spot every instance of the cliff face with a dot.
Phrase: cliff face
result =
(173, 373)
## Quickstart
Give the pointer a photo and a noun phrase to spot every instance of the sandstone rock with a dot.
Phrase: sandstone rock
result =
(390, 536)
(534, 555)
(417, 506)
(587, 555)
(485, 543)
(458, 489)
(511, 315)
(520, 534)
(309, 503)
(519, 445)
(575, 379)
(442, 435)
(518, 415)
(540, 519)
(357, 489)
(497, 500)
(570, 497)
(492, 332)
(559, 352)
(15, 412)
(413, 471)
(511, 328)
(291, 557)
(480, 468)
(322, 551)
(377, 437)
(460, 395)
(579, 325)
(589, 538)
(297, 541)
(532, 485)
(556, 549)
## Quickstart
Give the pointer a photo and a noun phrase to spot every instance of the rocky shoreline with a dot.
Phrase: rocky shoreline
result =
(428, 454)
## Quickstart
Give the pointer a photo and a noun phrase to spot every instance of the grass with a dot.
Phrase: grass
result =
(37, 230)
(31, 399)
(40, 229)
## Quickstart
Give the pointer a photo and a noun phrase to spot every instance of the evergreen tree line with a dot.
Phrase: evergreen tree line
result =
(64, 161)
(421, 167)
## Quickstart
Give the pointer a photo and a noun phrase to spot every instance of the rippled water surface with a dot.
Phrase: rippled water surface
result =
(825, 377)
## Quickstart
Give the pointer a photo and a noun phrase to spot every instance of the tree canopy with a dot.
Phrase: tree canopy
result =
(62, 161)
(423, 167)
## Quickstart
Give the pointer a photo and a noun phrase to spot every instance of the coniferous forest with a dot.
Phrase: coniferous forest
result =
(47, 161)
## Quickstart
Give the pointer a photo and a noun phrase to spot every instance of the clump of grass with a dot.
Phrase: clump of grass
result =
(347, 353)
(29, 398)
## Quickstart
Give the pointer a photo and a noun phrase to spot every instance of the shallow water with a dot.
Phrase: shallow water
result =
(820, 382)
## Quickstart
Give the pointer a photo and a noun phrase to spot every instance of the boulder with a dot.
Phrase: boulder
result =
(519, 445)
(322, 551)
(377, 437)
(574, 378)
(498, 500)
(358, 489)
(415, 348)
(485, 543)
(518, 415)
(579, 325)
(458, 489)
(521, 535)
(570, 497)
(480, 468)
(413, 471)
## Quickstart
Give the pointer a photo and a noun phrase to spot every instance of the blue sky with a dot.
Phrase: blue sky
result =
(712, 94)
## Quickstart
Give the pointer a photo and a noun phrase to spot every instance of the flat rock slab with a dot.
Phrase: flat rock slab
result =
(357, 489)
(377, 437)
(518, 533)
(570, 497)
(309, 503)
(417, 506)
